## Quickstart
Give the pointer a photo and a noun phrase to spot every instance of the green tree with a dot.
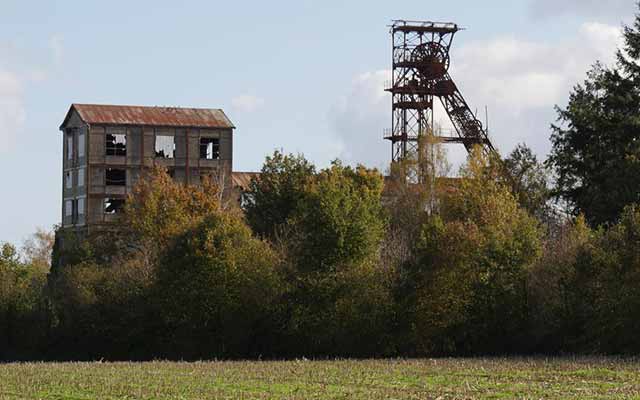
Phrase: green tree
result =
(528, 180)
(614, 287)
(218, 288)
(560, 294)
(339, 300)
(21, 290)
(105, 297)
(276, 193)
(339, 219)
(327, 228)
(596, 148)
(471, 273)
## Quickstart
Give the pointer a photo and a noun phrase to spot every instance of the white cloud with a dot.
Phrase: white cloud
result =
(15, 75)
(359, 118)
(520, 81)
(12, 110)
(247, 102)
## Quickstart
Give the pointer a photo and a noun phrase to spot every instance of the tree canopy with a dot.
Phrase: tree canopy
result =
(596, 145)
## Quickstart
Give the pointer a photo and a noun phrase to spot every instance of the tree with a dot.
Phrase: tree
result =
(276, 193)
(105, 297)
(472, 266)
(327, 228)
(339, 219)
(614, 287)
(596, 148)
(412, 192)
(218, 288)
(160, 209)
(21, 289)
(528, 180)
(37, 249)
(559, 286)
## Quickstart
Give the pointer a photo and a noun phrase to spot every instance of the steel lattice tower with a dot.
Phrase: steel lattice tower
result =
(420, 74)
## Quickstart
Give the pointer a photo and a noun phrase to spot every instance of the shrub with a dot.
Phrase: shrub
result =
(218, 288)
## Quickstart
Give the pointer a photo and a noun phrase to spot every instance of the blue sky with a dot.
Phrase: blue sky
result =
(303, 76)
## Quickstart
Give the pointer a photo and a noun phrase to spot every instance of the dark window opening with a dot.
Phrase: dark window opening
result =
(115, 177)
(209, 148)
(113, 206)
(116, 145)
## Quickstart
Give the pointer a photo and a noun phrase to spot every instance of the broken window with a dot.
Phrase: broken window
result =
(116, 144)
(115, 177)
(68, 180)
(68, 208)
(80, 206)
(81, 144)
(81, 177)
(209, 148)
(165, 146)
(113, 206)
(70, 145)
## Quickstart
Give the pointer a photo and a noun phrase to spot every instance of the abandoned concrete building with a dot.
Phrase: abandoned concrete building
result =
(106, 147)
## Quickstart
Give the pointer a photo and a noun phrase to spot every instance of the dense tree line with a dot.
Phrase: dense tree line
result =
(351, 267)
(513, 256)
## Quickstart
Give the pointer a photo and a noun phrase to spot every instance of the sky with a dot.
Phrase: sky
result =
(303, 76)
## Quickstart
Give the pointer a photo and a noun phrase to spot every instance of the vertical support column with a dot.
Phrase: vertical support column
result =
(187, 171)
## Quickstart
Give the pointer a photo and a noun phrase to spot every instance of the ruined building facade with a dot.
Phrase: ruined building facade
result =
(106, 148)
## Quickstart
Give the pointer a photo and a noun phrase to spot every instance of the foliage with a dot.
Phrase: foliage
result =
(330, 247)
(411, 193)
(584, 292)
(472, 268)
(527, 178)
(103, 311)
(37, 248)
(218, 289)
(352, 265)
(614, 269)
(558, 290)
(595, 148)
(160, 209)
(272, 198)
(339, 219)
(21, 289)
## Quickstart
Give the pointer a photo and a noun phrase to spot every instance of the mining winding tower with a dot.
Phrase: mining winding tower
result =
(420, 74)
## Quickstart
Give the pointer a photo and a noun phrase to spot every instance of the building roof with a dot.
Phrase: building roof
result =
(243, 179)
(103, 114)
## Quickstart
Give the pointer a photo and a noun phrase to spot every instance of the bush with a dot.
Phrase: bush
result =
(472, 268)
(22, 316)
(218, 289)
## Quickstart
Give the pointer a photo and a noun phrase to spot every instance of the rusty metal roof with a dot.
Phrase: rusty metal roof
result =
(102, 114)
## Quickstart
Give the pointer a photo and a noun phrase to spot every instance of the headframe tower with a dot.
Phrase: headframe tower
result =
(420, 64)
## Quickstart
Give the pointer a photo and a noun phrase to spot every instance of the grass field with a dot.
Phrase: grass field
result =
(585, 378)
